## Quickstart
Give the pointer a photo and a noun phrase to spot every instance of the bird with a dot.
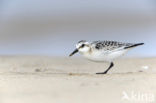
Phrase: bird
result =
(103, 51)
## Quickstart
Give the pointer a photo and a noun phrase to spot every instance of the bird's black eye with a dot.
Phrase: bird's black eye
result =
(82, 45)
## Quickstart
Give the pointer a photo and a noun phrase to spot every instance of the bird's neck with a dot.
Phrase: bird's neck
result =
(88, 53)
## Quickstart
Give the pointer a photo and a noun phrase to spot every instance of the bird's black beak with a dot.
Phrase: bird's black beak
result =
(75, 51)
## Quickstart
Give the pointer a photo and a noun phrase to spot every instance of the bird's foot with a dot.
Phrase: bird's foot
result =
(102, 72)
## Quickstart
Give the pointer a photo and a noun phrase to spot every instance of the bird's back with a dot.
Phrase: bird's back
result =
(109, 45)
(108, 50)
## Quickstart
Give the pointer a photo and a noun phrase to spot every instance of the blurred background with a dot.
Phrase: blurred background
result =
(52, 27)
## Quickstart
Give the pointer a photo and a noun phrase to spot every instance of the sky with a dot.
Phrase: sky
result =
(52, 27)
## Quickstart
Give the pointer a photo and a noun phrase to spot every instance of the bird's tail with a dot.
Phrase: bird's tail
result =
(133, 45)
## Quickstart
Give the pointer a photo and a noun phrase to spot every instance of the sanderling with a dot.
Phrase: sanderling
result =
(103, 51)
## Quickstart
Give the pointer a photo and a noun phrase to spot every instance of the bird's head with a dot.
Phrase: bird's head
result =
(82, 47)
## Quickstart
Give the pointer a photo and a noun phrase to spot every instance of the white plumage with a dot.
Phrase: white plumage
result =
(103, 51)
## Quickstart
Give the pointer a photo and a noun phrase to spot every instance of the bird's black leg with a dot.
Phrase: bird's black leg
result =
(105, 72)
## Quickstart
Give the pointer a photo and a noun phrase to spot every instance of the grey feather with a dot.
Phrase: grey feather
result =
(109, 45)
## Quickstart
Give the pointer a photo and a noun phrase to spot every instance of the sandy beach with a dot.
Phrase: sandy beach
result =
(43, 79)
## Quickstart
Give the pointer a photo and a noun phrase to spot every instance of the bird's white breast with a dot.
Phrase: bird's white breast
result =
(100, 56)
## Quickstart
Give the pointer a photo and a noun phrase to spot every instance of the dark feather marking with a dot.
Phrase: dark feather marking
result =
(131, 46)
(82, 41)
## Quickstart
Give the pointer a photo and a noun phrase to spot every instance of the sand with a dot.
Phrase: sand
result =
(41, 79)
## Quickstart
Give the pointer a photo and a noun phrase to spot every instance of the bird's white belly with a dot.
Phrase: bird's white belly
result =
(105, 57)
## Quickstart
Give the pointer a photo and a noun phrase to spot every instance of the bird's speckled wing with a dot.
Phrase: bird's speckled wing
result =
(109, 45)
